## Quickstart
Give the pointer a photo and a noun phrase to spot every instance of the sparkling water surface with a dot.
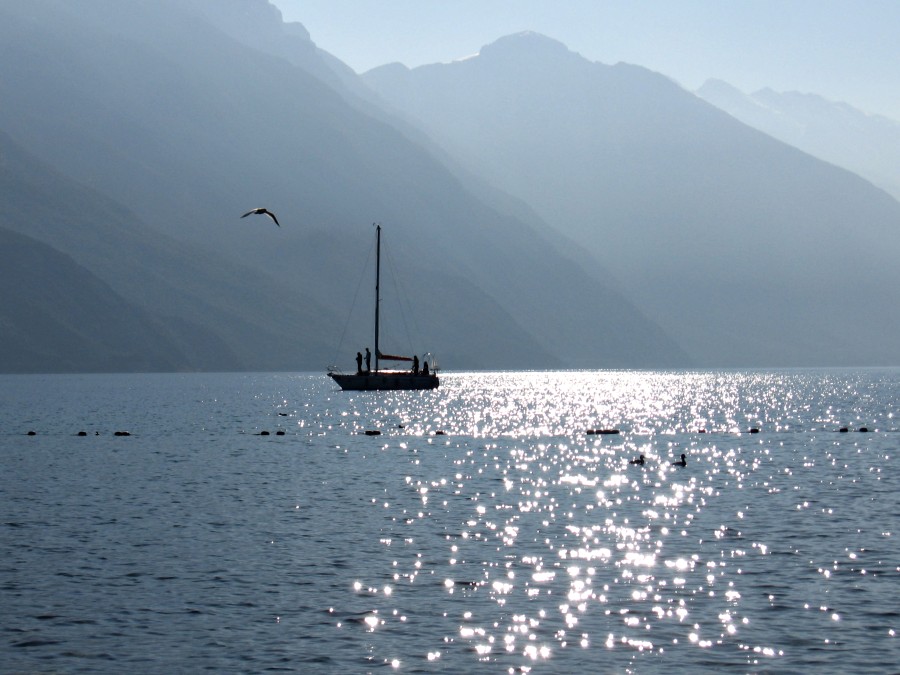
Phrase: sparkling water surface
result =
(484, 528)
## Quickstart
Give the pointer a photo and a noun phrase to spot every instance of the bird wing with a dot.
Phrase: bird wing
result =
(262, 212)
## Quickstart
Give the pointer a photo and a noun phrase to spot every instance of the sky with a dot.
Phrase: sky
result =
(844, 50)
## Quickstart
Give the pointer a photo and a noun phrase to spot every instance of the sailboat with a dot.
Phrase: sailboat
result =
(376, 378)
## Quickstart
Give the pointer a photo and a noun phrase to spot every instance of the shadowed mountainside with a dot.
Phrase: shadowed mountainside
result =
(180, 129)
(214, 310)
(58, 317)
(835, 132)
(748, 251)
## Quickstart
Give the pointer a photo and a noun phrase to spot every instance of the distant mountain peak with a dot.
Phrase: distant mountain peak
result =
(833, 131)
(525, 45)
(248, 20)
(728, 98)
(716, 86)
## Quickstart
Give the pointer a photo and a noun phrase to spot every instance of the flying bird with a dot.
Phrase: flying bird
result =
(261, 211)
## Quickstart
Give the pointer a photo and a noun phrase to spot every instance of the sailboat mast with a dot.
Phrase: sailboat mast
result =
(377, 287)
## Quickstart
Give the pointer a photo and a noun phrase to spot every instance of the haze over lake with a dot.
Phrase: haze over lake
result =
(665, 312)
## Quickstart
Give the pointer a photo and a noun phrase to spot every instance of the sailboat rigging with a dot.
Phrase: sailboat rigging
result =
(376, 378)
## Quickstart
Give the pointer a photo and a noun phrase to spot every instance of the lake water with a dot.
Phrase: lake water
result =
(513, 541)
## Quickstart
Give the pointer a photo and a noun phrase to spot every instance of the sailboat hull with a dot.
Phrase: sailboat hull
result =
(384, 380)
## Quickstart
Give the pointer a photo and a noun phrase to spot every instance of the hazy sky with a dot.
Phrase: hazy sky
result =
(844, 50)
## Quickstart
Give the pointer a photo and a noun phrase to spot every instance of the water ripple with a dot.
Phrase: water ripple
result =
(483, 527)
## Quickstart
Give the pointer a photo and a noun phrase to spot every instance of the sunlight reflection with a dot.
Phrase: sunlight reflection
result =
(552, 537)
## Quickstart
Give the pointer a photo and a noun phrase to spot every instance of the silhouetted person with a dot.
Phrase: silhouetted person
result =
(358, 363)
(639, 460)
(415, 365)
(425, 368)
(368, 360)
(683, 461)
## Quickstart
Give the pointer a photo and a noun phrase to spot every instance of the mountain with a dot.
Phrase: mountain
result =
(216, 310)
(55, 316)
(835, 132)
(170, 126)
(259, 25)
(747, 251)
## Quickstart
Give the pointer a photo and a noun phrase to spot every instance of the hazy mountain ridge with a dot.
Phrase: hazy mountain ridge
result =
(58, 317)
(165, 114)
(215, 310)
(835, 132)
(750, 252)
(259, 25)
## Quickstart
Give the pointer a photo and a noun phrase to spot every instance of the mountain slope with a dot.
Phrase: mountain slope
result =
(747, 251)
(55, 316)
(835, 132)
(217, 310)
(162, 111)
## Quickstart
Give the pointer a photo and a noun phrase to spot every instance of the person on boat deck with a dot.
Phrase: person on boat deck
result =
(358, 363)
(415, 365)
(368, 360)
(425, 368)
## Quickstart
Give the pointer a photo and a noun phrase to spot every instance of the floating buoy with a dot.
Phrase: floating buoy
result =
(754, 430)
(81, 433)
(440, 433)
(122, 433)
(864, 430)
(279, 433)
(372, 432)
(602, 432)
(31, 433)
(263, 433)
(843, 430)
